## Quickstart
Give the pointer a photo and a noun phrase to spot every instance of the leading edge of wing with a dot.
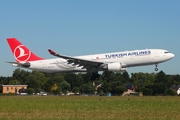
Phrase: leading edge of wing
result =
(75, 60)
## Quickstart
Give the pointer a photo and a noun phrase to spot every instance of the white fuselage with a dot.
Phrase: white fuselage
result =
(126, 58)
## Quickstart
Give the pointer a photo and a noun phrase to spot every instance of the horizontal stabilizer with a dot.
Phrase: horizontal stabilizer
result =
(26, 64)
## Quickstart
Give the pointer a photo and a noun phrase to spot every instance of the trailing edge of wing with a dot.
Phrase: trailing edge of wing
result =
(80, 62)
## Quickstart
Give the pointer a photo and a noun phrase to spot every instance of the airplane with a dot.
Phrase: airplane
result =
(115, 61)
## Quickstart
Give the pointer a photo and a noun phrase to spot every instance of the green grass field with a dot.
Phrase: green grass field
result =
(89, 108)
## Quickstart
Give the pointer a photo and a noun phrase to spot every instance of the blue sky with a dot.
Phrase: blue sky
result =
(86, 27)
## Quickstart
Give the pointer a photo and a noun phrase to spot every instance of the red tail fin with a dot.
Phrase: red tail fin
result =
(21, 53)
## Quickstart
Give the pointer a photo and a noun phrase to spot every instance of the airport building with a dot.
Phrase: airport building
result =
(13, 88)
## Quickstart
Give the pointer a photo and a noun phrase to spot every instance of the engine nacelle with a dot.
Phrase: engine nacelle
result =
(115, 67)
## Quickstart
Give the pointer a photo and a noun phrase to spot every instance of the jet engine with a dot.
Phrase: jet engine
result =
(114, 67)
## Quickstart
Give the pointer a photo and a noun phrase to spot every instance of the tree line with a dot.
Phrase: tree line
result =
(108, 82)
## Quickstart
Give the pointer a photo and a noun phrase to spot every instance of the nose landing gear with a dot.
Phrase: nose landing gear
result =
(156, 69)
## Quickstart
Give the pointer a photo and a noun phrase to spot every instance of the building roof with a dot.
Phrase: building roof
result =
(15, 85)
(175, 87)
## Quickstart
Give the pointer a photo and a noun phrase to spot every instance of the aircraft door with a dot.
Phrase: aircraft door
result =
(155, 56)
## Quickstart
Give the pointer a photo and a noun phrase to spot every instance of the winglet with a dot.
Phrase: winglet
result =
(51, 52)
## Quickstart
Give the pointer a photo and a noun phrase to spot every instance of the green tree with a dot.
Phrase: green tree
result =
(21, 75)
(119, 77)
(119, 90)
(40, 77)
(75, 90)
(14, 82)
(32, 81)
(158, 88)
(170, 92)
(87, 88)
(30, 91)
(106, 88)
(161, 77)
(173, 80)
(16, 73)
(147, 91)
(65, 86)
(75, 80)
(108, 76)
(57, 78)
(51, 80)
(86, 77)
(140, 80)
(126, 78)
(5, 80)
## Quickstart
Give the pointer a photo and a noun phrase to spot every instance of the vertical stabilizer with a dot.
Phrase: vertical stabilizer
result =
(21, 52)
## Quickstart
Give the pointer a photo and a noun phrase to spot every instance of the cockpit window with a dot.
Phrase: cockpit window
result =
(166, 52)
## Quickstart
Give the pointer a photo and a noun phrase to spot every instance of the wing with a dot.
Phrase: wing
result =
(77, 61)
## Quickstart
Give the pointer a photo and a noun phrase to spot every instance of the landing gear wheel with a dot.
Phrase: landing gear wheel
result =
(156, 69)
(95, 76)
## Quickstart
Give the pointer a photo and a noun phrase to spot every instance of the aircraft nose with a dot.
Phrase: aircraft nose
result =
(172, 55)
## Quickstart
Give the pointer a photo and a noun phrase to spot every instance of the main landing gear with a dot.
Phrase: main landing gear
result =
(95, 76)
(156, 69)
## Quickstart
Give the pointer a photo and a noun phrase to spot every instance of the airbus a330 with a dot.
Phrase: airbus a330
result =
(116, 61)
